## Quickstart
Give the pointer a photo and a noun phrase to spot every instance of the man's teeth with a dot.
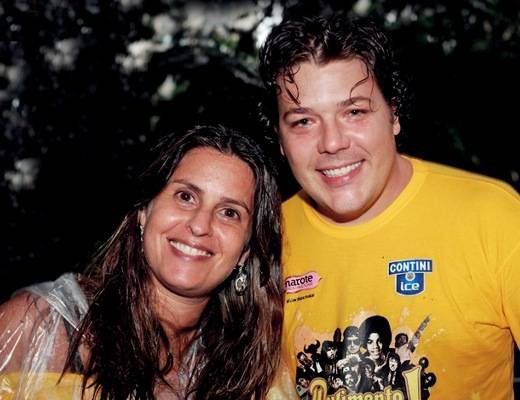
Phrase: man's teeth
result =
(332, 173)
(191, 251)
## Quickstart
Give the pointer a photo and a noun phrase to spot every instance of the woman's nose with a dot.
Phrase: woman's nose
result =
(199, 223)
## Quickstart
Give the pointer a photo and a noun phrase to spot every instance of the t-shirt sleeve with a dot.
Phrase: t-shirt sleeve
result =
(511, 291)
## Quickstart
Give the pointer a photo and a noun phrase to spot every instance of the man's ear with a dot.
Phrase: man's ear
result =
(277, 130)
(396, 124)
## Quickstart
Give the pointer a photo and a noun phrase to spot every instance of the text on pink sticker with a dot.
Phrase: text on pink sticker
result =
(306, 281)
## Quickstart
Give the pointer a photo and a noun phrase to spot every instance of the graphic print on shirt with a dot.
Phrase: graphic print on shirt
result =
(359, 363)
(294, 284)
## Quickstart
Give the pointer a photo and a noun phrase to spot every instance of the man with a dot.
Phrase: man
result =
(432, 249)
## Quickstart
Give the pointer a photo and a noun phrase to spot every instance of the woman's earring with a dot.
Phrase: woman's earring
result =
(141, 231)
(240, 281)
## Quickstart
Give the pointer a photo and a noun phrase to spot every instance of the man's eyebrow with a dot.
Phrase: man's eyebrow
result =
(296, 110)
(353, 100)
(198, 190)
(345, 103)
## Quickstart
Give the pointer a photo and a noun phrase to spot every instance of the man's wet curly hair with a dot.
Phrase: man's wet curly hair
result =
(322, 40)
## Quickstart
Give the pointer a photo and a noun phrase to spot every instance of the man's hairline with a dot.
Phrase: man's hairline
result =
(370, 75)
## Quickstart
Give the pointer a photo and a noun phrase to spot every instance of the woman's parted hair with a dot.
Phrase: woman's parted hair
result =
(240, 334)
(322, 40)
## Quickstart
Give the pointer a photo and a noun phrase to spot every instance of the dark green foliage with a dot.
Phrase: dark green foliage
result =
(77, 111)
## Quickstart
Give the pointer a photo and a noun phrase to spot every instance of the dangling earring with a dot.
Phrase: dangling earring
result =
(240, 281)
(141, 233)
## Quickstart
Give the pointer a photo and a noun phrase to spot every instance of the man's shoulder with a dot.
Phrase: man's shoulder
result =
(455, 181)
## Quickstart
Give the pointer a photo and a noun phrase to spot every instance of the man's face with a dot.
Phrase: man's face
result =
(402, 339)
(337, 383)
(304, 360)
(339, 140)
(392, 364)
(374, 346)
(331, 353)
(353, 344)
(350, 378)
(369, 371)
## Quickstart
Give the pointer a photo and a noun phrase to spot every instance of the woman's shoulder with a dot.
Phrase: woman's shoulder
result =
(23, 309)
(21, 318)
(32, 321)
(33, 350)
(64, 295)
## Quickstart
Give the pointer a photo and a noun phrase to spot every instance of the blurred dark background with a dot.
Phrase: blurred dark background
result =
(87, 85)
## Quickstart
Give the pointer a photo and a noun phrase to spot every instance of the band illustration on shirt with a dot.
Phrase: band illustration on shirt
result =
(361, 360)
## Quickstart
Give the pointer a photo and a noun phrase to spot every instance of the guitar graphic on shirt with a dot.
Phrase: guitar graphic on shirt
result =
(414, 341)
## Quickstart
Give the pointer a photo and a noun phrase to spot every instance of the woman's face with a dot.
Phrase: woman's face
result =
(374, 346)
(196, 229)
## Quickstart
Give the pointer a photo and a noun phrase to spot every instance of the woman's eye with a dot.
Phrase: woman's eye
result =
(184, 196)
(231, 213)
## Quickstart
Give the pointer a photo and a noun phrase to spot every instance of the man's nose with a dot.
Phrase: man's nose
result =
(333, 138)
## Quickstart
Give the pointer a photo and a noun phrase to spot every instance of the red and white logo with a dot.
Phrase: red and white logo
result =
(298, 283)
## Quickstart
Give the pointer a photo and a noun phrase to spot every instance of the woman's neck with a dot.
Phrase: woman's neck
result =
(179, 316)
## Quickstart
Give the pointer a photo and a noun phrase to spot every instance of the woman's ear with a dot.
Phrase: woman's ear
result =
(243, 257)
(282, 150)
(141, 217)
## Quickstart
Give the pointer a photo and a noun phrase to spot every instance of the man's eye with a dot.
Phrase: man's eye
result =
(356, 112)
(301, 122)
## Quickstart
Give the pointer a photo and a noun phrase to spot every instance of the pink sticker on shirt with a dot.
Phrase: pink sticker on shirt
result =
(307, 281)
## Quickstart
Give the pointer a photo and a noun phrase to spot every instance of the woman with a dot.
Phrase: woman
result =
(183, 301)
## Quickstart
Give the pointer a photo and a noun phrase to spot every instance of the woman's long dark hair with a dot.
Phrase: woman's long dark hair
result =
(239, 335)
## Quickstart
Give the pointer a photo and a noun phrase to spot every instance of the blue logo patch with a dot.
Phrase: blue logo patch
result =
(409, 275)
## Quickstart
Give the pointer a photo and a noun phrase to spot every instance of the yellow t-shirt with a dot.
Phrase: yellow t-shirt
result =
(42, 386)
(441, 265)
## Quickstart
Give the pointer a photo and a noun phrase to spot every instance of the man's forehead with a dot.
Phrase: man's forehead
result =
(288, 75)
(307, 77)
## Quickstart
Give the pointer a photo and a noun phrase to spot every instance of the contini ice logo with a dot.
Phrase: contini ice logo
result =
(410, 275)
